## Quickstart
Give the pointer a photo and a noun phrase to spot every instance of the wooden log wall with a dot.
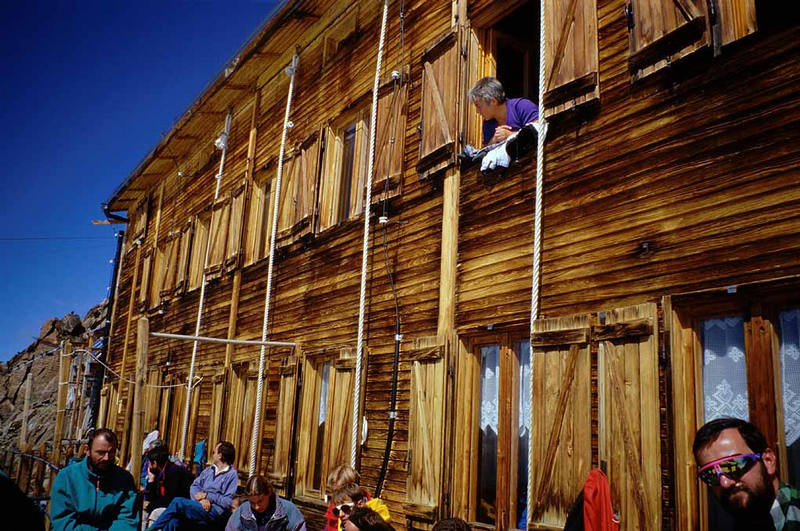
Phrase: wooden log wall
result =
(679, 182)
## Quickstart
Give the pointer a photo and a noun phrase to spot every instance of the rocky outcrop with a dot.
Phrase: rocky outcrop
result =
(40, 362)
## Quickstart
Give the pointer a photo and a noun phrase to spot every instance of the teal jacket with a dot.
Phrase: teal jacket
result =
(81, 500)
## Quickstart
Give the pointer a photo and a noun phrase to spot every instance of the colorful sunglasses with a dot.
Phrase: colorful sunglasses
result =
(345, 508)
(733, 467)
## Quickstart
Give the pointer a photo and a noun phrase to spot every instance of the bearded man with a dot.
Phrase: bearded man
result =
(94, 493)
(733, 459)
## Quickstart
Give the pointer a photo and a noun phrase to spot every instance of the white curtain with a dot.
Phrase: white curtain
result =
(790, 372)
(724, 368)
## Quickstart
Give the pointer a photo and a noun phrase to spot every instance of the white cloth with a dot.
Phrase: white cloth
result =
(152, 436)
(496, 158)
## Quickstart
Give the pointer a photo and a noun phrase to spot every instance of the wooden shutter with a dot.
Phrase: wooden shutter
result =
(662, 29)
(169, 279)
(258, 222)
(735, 19)
(220, 216)
(288, 203)
(389, 142)
(360, 160)
(426, 428)
(561, 425)
(158, 270)
(184, 254)
(629, 437)
(307, 184)
(152, 397)
(233, 246)
(200, 235)
(338, 438)
(330, 179)
(440, 94)
(627, 397)
(284, 423)
(139, 220)
(144, 284)
(218, 411)
(571, 68)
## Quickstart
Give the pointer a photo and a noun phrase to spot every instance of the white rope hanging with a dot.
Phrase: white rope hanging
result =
(273, 232)
(537, 229)
(185, 427)
(365, 248)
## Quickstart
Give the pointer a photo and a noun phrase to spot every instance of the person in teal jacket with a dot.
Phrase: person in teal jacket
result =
(94, 493)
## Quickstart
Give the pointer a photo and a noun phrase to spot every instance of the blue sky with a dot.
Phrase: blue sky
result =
(88, 89)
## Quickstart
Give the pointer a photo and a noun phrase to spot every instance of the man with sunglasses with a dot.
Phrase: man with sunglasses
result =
(734, 461)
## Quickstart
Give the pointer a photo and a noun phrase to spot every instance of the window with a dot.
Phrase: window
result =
(144, 280)
(325, 418)
(298, 189)
(344, 170)
(499, 390)
(233, 244)
(343, 32)
(202, 223)
(742, 350)
(218, 233)
(259, 220)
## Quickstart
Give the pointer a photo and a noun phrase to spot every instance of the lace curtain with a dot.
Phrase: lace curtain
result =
(724, 368)
(790, 372)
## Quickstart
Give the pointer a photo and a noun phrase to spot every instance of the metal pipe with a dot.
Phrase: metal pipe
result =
(225, 341)
(202, 295)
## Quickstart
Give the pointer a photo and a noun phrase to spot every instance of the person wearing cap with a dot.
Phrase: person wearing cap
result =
(733, 459)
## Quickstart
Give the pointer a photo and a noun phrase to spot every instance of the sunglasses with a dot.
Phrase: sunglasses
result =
(733, 467)
(345, 508)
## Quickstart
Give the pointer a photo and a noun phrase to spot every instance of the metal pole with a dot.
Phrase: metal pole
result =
(226, 341)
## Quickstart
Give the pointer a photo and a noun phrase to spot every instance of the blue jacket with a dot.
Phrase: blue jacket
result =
(81, 500)
(287, 517)
(219, 488)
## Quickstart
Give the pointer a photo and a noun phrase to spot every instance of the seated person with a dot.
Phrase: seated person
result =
(264, 509)
(351, 496)
(211, 495)
(338, 478)
(165, 480)
(501, 116)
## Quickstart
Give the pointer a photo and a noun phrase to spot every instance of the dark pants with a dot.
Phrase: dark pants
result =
(183, 513)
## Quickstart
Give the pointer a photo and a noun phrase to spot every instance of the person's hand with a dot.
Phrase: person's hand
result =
(200, 496)
(501, 132)
(150, 476)
(206, 504)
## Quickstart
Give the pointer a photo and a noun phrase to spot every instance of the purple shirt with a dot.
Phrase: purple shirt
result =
(519, 111)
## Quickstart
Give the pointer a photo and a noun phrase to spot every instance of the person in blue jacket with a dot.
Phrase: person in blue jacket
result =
(94, 493)
(211, 495)
(265, 511)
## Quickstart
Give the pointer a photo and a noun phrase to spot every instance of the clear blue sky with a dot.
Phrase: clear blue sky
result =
(88, 89)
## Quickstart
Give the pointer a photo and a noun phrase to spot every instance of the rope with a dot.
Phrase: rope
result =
(273, 233)
(202, 295)
(365, 249)
(537, 227)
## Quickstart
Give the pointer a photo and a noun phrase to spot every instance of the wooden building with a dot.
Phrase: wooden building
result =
(667, 283)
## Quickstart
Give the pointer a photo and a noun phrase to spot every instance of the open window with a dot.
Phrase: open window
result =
(325, 418)
(344, 169)
(735, 355)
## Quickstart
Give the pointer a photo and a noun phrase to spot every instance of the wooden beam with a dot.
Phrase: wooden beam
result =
(637, 327)
(560, 337)
(131, 306)
(61, 398)
(142, 344)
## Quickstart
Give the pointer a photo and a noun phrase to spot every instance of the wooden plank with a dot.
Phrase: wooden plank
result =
(560, 337)
(555, 432)
(638, 327)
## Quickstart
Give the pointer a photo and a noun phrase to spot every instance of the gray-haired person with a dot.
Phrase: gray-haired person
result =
(501, 116)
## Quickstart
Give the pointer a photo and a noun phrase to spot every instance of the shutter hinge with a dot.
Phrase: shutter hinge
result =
(629, 15)
(663, 350)
(461, 137)
(446, 499)
(712, 12)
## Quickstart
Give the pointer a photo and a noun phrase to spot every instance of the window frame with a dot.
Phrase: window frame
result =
(469, 390)
(759, 306)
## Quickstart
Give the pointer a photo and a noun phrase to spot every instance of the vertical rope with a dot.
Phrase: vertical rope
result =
(365, 247)
(537, 230)
(189, 382)
(273, 232)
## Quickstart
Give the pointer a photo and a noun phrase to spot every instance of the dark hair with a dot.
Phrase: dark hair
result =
(366, 519)
(711, 430)
(158, 455)
(451, 524)
(106, 434)
(349, 492)
(258, 485)
(227, 451)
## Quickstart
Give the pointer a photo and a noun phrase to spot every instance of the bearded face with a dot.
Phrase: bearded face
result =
(101, 454)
